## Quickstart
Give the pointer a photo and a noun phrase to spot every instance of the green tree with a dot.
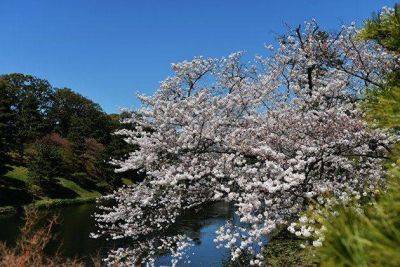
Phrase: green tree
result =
(31, 99)
(383, 105)
(45, 160)
(92, 156)
(118, 149)
(384, 29)
(78, 119)
(6, 127)
(73, 115)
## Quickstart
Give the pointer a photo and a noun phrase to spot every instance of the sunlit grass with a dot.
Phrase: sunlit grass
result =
(126, 181)
(77, 188)
(18, 173)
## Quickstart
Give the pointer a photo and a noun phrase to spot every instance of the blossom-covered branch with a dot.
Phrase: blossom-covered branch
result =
(270, 137)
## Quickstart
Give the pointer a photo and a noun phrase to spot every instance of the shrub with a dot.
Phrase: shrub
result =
(45, 160)
(29, 250)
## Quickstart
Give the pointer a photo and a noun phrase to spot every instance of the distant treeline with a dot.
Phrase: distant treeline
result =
(56, 131)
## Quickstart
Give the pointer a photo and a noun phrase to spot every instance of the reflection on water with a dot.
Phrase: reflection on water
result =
(77, 223)
(201, 227)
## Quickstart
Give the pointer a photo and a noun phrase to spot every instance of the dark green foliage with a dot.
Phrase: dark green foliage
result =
(92, 157)
(5, 125)
(57, 133)
(72, 115)
(89, 130)
(45, 160)
(31, 99)
(117, 148)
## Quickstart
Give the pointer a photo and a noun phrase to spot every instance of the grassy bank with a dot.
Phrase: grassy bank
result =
(45, 204)
(17, 190)
(53, 203)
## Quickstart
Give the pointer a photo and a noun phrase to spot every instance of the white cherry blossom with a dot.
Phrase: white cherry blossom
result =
(271, 137)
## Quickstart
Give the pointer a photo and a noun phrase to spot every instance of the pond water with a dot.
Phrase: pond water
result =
(77, 222)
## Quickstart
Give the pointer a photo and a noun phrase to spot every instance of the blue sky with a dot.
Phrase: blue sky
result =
(109, 50)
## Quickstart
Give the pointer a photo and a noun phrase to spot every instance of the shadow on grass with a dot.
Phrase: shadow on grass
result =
(14, 196)
(87, 183)
(53, 189)
(4, 169)
(10, 182)
(14, 192)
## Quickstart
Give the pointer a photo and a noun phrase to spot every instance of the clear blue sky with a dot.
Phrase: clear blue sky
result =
(109, 50)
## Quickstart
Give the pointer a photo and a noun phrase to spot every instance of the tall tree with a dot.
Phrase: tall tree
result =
(78, 119)
(45, 160)
(384, 105)
(72, 115)
(118, 149)
(271, 138)
(31, 99)
(6, 126)
(384, 29)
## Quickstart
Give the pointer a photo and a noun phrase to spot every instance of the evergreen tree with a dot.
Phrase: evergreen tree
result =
(384, 105)
(73, 115)
(45, 160)
(31, 99)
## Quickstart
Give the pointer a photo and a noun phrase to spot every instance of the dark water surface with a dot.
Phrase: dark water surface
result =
(77, 222)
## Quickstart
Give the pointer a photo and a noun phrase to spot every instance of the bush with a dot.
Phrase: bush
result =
(45, 160)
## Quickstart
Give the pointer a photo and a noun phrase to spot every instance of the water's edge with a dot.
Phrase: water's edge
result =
(77, 222)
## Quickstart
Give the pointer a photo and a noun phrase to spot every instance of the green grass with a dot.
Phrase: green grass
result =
(53, 203)
(126, 181)
(83, 193)
(20, 174)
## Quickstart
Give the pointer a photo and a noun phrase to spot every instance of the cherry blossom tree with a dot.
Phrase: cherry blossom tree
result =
(271, 137)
